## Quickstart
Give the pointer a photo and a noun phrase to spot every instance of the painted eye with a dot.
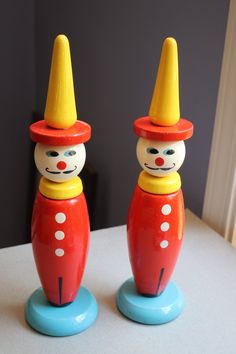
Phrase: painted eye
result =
(52, 153)
(152, 150)
(169, 152)
(70, 153)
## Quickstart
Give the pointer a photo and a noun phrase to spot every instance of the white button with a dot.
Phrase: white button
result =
(164, 244)
(165, 226)
(60, 218)
(59, 252)
(59, 235)
(166, 209)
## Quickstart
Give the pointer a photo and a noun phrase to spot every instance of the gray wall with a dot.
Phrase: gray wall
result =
(115, 50)
(17, 98)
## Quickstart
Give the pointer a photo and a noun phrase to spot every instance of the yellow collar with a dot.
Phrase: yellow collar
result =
(63, 190)
(159, 185)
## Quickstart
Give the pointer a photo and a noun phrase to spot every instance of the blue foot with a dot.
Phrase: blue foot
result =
(61, 321)
(149, 310)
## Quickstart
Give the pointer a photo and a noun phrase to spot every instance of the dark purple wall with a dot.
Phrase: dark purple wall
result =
(17, 101)
(115, 51)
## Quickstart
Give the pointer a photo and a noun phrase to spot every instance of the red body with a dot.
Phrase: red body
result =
(60, 236)
(155, 233)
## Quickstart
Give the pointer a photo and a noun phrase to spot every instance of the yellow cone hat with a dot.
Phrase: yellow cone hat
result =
(60, 111)
(164, 109)
(163, 122)
(60, 126)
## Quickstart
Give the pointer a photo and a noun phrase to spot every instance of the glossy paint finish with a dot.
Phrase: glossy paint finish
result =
(155, 234)
(60, 237)
(63, 321)
(144, 128)
(79, 133)
(146, 310)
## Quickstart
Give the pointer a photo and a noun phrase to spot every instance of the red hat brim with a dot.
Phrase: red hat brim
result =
(79, 133)
(144, 128)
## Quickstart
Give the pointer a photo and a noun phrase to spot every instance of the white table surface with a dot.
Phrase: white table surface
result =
(206, 272)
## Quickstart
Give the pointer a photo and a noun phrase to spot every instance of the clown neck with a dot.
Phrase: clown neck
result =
(63, 190)
(159, 185)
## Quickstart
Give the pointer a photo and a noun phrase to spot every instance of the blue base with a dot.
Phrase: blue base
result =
(149, 310)
(61, 321)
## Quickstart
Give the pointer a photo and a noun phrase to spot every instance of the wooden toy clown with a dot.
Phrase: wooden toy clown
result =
(156, 214)
(60, 221)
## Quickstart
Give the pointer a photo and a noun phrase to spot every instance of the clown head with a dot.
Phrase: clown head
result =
(160, 158)
(59, 163)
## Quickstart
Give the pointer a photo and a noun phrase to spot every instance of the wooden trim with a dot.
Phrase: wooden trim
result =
(219, 209)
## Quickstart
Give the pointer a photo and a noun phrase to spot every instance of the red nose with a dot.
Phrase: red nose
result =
(159, 161)
(61, 165)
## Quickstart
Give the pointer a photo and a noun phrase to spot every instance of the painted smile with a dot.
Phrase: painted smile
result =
(58, 172)
(159, 168)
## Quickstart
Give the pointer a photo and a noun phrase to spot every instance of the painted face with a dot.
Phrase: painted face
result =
(59, 163)
(160, 158)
